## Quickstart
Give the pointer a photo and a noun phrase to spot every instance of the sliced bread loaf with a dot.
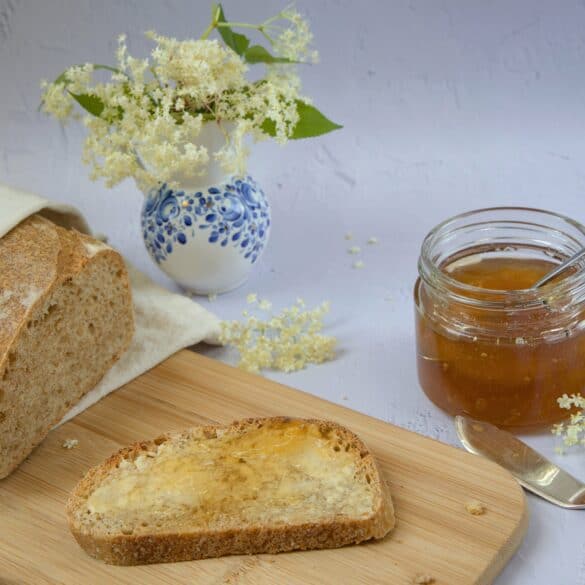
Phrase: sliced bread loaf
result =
(255, 486)
(65, 317)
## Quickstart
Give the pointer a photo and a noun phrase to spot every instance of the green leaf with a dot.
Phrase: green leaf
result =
(311, 123)
(268, 127)
(62, 79)
(235, 41)
(89, 102)
(258, 54)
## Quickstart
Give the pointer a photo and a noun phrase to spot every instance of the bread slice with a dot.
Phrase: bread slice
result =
(255, 486)
(65, 317)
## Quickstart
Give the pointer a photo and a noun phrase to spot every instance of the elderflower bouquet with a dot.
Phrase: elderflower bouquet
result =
(145, 119)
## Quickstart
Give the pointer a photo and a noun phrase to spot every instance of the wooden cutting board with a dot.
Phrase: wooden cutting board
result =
(431, 483)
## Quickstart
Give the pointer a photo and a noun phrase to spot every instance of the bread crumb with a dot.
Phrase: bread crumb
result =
(265, 305)
(252, 298)
(354, 250)
(70, 443)
(373, 240)
(359, 264)
(475, 508)
(212, 297)
(349, 236)
(424, 580)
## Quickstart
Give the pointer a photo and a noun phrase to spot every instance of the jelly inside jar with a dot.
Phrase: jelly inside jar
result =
(504, 377)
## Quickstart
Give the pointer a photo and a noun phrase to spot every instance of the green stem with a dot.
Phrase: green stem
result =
(280, 15)
(208, 30)
(272, 19)
(267, 36)
(239, 25)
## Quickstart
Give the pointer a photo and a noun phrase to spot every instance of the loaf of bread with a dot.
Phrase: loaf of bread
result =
(65, 317)
(255, 486)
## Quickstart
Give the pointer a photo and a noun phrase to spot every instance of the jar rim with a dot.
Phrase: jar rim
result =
(431, 272)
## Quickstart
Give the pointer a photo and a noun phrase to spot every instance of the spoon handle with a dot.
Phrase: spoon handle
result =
(559, 269)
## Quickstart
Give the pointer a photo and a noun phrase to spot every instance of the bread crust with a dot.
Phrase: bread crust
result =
(136, 549)
(42, 256)
(36, 257)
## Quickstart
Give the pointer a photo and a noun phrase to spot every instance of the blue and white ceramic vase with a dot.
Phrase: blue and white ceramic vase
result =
(208, 234)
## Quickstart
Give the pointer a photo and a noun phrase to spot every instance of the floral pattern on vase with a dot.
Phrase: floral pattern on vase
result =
(235, 213)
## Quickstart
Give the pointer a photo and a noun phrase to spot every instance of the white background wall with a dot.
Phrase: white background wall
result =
(450, 103)
(447, 105)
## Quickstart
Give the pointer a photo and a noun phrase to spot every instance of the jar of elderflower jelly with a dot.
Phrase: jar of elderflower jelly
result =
(487, 345)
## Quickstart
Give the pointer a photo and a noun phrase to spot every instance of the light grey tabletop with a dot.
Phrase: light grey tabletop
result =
(447, 106)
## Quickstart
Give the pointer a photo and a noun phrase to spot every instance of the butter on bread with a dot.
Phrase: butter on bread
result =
(255, 486)
(66, 316)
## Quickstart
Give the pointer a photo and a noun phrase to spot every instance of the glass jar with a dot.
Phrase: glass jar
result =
(487, 345)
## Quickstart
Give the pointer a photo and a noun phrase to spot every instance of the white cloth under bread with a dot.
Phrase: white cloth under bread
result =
(165, 321)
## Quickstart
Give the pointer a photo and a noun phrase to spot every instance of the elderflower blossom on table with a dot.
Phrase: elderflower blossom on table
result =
(572, 432)
(287, 341)
(145, 121)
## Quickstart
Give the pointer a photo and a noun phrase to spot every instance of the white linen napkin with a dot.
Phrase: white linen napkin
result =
(165, 322)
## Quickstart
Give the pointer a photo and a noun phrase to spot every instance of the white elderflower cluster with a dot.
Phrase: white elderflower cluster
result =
(198, 68)
(573, 431)
(144, 122)
(54, 102)
(295, 42)
(287, 341)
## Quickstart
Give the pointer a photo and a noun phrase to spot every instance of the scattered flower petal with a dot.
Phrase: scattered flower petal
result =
(358, 265)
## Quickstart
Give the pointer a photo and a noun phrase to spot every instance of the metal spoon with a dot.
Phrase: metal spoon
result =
(559, 269)
(533, 471)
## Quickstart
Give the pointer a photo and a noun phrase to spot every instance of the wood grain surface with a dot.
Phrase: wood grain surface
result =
(431, 483)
